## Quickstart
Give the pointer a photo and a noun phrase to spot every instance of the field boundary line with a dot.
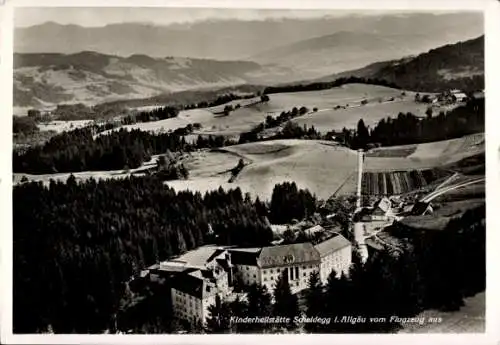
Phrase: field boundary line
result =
(343, 183)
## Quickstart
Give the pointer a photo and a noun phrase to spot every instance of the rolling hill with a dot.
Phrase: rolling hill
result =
(459, 65)
(323, 167)
(330, 104)
(91, 78)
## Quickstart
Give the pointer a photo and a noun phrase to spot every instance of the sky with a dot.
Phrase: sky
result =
(101, 16)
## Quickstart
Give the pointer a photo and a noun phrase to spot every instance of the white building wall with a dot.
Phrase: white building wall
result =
(340, 261)
(191, 308)
(298, 281)
(186, 306)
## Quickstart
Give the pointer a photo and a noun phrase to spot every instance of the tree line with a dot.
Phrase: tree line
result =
(79, 150)
(328, 85)
(77, 244)
(409, 129)
(160, 113)
(271, 122)
(289, 202)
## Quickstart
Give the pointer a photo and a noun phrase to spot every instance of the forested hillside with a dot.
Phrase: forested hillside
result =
(75, 245)
(459, 65)
(409, 129)
(79, 150)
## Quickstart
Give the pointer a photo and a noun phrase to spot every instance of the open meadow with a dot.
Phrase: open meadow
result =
(326, 120)
(324, 167)
(315, 165)
(382, 102)
(469, 319)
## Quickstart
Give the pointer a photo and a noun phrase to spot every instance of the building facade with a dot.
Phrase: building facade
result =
(265, 265)
(196, 279)
(199, 277)
(336, 255)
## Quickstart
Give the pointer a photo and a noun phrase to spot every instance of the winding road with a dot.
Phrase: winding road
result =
(441, 191)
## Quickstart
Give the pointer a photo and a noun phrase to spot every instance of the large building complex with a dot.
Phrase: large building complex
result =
(197, 277)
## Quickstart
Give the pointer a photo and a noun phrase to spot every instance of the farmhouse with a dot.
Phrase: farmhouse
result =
(381, 211)
(460, 97)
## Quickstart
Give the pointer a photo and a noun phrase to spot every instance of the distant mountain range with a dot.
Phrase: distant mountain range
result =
(459, 65)
(43, 80)
(347, 50)
(239, 39)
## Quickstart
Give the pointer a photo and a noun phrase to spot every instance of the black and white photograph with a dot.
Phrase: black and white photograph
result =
(197, 170)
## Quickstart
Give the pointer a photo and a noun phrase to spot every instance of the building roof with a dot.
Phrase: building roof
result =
(284, 255)
(216, 254)
(199, 256)
(331, 245)
(244, 256)
(384, 204)
(194, 284)
(460, 95)
(419, 208)
(171, 266)
(314, 229)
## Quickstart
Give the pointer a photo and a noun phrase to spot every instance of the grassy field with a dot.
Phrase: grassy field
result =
(371, 113)
(350, 94)
(426, 156)
(401, 169)
(311, 164)
(469, 319)
(382, 102)
(252, 112)
(185, 117)
(323, 167)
